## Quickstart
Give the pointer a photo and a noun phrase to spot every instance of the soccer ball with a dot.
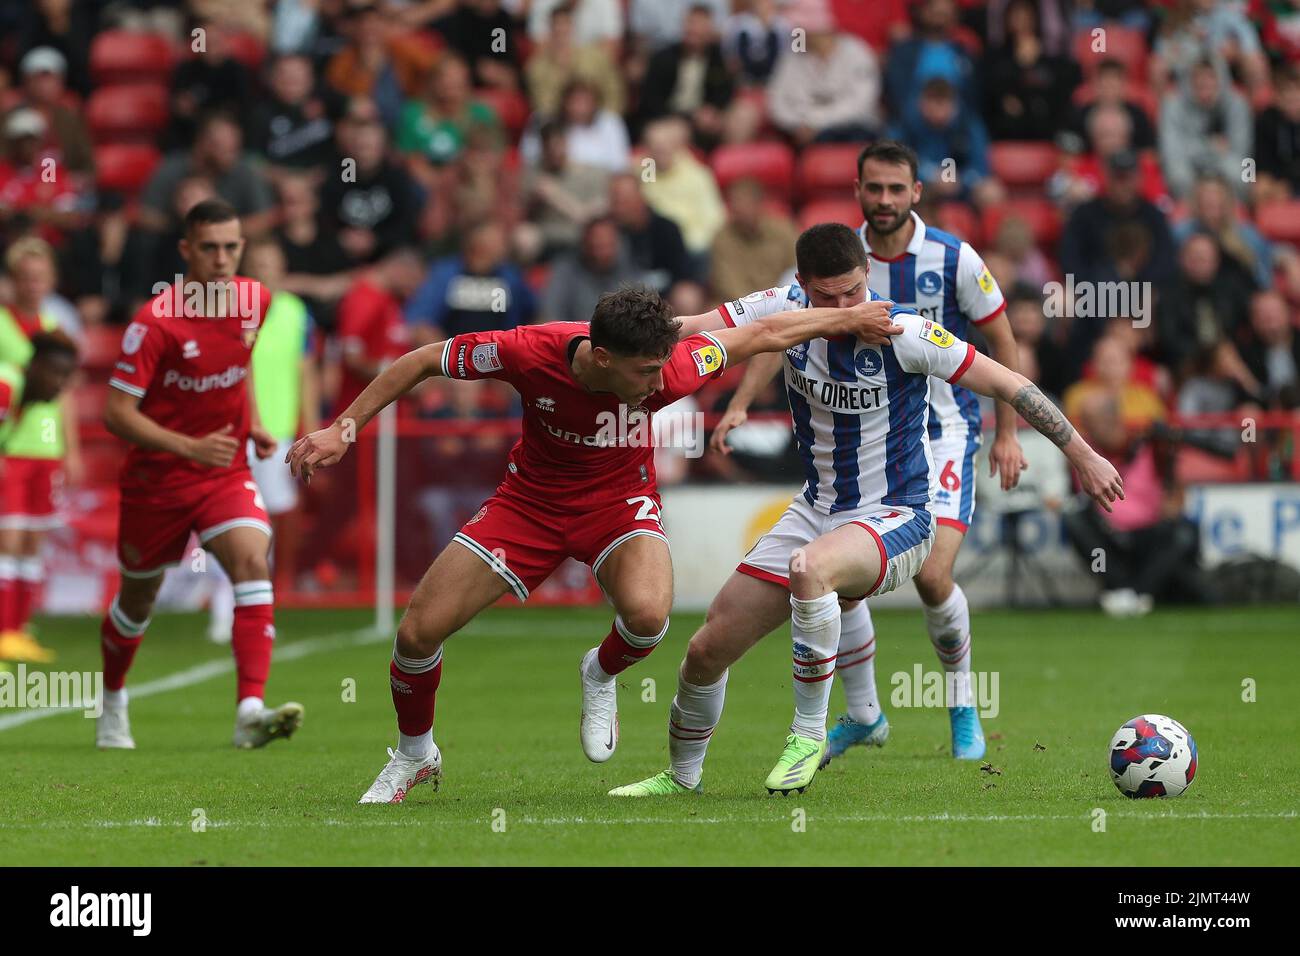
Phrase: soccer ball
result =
(1152, 756)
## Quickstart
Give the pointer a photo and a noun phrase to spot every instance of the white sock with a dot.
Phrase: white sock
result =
(949, 627)
(115, 699)
(855, 667)
(249, 707)
(816, 634)
(417, 748)
(694, 714)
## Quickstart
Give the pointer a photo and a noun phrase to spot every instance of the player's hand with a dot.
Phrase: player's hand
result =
(731, 418)
(320, 449)
(1100, 480)
(1007, 458)
(216, 449)
(870, 322)
(263, 443)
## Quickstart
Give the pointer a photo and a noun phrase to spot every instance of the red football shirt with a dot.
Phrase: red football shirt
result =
(370, 324)
(580, 448)
(191, 376)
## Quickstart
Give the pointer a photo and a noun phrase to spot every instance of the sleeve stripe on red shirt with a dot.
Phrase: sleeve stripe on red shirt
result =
(127, 387)
(446, 354)
(726, 316)
(996, 312)
(965, 364)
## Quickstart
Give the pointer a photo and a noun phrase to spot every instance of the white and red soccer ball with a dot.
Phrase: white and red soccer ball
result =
(1152, 756)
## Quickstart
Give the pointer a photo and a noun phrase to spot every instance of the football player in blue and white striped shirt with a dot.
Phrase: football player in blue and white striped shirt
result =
(862, 525)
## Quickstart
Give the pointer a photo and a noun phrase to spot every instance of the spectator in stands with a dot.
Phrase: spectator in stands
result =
(654, 243)
(1204, 127)
(580, 278)
(681, 188)
(1277, 141)
(1199, 316)
(1279, 28)
(831, 92)
(558, 197)
(1113, 381)
(657, 24)
(1028, 89)
(594, 21)
(316, 267)
(30, 198)
(212, 80)
(753, 39)
(1029, 266)
(369, 201)
(1272, 351)
(151, 255)
(754, 249)
(296, 26)
(477, 291)
(371, 330)
(951, 145)
(482, 187)
(597, 136)
(1025, 313)
(1213, 209)
(1110, 90)
(690, 78)
(1052, 19)
(487, 36)
(432, 130)
(1197, 30)
(217, 154)
(67, 138)
(380, 61)
(1109, 132)
(67, 27)
(293, 128)
(933, 49)
(559, 58)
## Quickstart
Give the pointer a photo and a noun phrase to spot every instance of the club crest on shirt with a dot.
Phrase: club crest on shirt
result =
(929, 283)
(133, 338)
(936, 335)
(868, 362)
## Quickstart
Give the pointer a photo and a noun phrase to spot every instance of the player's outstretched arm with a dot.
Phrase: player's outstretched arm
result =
(758, 373)
(122, 417)
(328, 445)
(710, 321)
(1098, 476)
(868, 321)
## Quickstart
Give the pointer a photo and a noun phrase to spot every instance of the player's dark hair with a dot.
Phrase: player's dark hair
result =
(890, 152)
(828, 249)
(52, 343)
(634, 322)
(208, 212)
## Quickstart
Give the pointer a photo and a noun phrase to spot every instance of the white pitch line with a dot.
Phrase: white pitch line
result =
(210, 669)
(154, 822)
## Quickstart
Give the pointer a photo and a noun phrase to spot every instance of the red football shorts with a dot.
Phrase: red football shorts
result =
(152, 535)
(524, 541)
(30, 489)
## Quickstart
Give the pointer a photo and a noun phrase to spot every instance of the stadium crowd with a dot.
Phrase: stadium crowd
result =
(413, 169)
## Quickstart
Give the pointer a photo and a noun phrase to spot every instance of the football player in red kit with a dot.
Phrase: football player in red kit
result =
(180, 396)
(580, 483)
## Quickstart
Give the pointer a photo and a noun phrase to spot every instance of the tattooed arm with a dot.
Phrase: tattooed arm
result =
(1097, 476)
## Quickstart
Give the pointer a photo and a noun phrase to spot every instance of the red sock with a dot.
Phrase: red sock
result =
(120, 638)
(621, 648)
(414, 694)
(251, 639)
(8, 600)
(31, 577)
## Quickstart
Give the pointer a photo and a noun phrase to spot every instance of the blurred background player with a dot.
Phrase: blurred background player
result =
(42, 451)
(287, 392)
(27, 393)
(179, 395)
(577, 485)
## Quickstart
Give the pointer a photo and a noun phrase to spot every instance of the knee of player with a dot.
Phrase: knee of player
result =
(933, 584)
(418, 637)
(703, 656)
(646, 618)
(807, 566)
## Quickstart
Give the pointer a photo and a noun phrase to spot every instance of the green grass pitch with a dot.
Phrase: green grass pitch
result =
(508, 728)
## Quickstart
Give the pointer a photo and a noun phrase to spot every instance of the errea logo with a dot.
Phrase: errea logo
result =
(76, 909)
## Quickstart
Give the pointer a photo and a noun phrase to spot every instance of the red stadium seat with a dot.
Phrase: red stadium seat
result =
(1118, 43)
(960, 220)
(1194, 466)
(129, 56)
(846, 211)
(510, 106)
(1043, 219)
(248, 50)
(827, 171)
(124, 167)
(128, 113)
(1280, 221)
(1023, 164)
(772, 164)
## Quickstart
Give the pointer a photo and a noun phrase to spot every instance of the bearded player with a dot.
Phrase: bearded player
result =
(862, 526)
(580, 483)
(180, 396)
(944, 280)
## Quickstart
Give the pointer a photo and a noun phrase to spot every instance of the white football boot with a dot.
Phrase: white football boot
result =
(599, 714)
(260, 727)
(401, 774)
(113, 729)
